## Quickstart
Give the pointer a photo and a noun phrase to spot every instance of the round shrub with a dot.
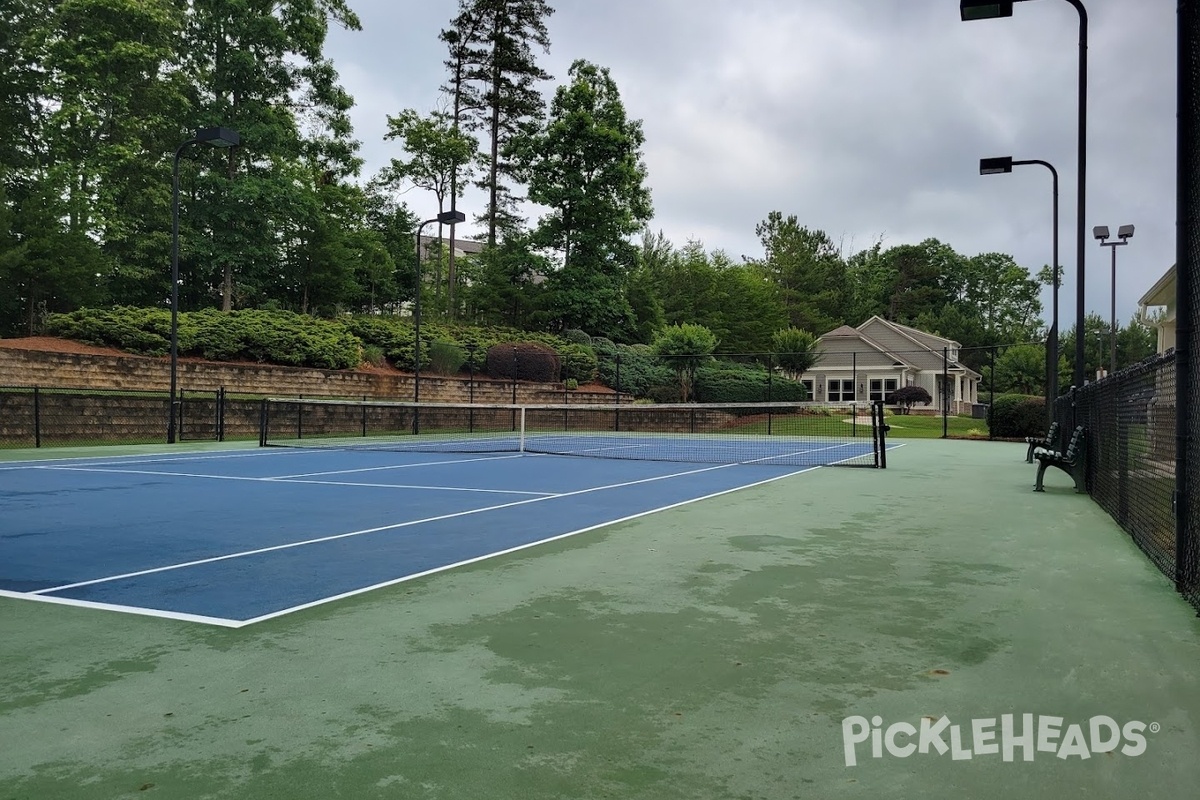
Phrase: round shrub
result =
(578, 363)
(576, 336)
(446, 358)
(524, 361)
(1015, 416)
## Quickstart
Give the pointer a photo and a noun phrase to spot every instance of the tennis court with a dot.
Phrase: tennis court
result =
(713, 649)
(238, 537)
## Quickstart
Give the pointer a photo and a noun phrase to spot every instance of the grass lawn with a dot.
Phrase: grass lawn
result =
(903, 426)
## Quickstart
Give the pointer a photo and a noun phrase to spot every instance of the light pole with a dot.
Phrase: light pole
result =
(990, 9)
(213, 137)
(996, 166)
(1124, 233)
(445, 218)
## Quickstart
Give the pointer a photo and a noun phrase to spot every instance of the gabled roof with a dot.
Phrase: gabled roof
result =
(846, 332)
(925, 341)
(929, 341)
(1162, 292)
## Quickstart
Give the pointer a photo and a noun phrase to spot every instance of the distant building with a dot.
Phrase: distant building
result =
(878, 357)
(1161, 295)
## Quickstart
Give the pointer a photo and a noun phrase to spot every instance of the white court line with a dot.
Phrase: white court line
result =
(396, 466)
(140, 611)
(365, 531)
(518, 548)
(289, 480)
(137, 458)
(227, 623)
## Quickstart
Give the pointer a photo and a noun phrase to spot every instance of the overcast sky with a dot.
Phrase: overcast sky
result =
(864, 118)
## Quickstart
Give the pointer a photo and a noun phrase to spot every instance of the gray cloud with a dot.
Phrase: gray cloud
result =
(864, 118)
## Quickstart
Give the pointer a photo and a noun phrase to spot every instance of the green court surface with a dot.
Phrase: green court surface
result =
(709, 651)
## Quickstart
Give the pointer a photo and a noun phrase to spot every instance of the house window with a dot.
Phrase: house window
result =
(809, 392)
(882, 387)
(841, 391)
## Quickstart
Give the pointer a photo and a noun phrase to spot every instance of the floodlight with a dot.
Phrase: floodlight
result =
(1100, 232)
(1125, 231)
(995, 166)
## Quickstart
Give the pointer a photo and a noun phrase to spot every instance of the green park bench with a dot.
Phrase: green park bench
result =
(1046, 442)
(1073, 461)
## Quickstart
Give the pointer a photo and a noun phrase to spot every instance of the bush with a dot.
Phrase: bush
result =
(446, 358)
(578, 363)
(639, 370)
(570, 384)
(908, 396)
(576, 336)
(1015, 416)
(274, 337)
(524, 361)
(728, 382)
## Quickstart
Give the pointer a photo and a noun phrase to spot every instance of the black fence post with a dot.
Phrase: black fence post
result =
(263, 422)
(992, 396)
(854, 403)
(617, 413)
(364, 417)
(37, 417)
(945, 392)
(221, 414)
(514, 387)
(770, 372)
(300, 416)
(471, 387)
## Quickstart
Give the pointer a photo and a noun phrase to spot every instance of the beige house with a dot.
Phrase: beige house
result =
(876, 358)
(1161, 295)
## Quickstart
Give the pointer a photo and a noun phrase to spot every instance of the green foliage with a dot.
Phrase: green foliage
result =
(523, 361)
(795, 350)
(683, 348)
(446, 358)
(570, 384)
(577, 336)
(729, 382)
(578, 363)
(1021, 369)
(1015, 416)
(631, 368)
(275, 337)
(685, 341)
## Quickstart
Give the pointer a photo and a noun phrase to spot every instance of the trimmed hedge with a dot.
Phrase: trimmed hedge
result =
(578, 363)
(728, 382)
(275, 337)
(1015, 416)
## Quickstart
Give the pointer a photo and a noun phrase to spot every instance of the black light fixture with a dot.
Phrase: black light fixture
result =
(212, 137)
(984, 9)
(971, 10)
(995, 166)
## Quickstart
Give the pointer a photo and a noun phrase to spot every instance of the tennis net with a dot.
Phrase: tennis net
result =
(791, 434)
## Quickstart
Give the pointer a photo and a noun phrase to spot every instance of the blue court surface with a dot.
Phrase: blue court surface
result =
(236, 537)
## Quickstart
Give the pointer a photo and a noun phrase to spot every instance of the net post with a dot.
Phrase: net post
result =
(883, 429)
(521, 447)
